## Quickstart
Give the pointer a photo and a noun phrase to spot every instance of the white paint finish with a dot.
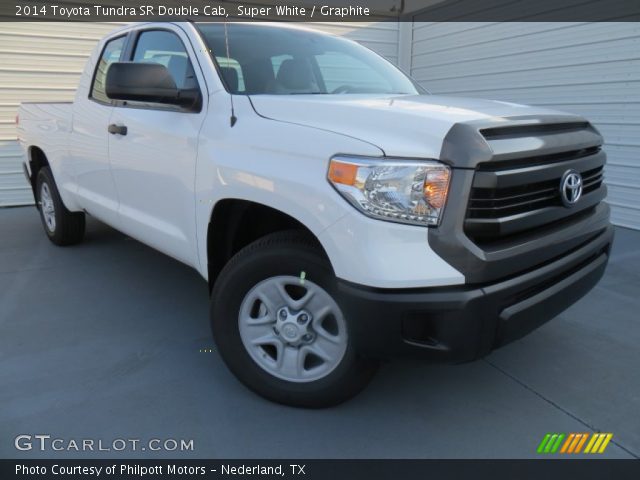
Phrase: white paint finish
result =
(385, 255)
(161, 182)
(276, 155)
(154, 168)
(89, 154)
(415, 125)
(48, 126)
(340, 228)
(591, 69)
(42, 62)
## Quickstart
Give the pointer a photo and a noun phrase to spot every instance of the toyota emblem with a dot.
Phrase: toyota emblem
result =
(570, 188)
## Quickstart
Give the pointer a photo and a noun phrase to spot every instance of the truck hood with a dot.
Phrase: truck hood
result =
(400, 125)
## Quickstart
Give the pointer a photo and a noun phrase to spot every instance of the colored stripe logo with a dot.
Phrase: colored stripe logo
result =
(574, 443)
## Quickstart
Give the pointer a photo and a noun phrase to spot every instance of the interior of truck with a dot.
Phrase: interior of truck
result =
(261, 59)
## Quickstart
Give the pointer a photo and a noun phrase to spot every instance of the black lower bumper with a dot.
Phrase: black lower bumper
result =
(458, 324)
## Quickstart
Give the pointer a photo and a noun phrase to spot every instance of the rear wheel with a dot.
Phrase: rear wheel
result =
(61, 226)
(280, 328)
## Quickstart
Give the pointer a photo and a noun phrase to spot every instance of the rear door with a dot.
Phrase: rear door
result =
(88, 142)
(154, 163)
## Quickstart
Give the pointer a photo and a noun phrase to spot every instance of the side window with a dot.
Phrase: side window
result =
(110, 54)
(166, 48)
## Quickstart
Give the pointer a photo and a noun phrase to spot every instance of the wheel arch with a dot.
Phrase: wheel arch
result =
(235, 223)
(37, 160)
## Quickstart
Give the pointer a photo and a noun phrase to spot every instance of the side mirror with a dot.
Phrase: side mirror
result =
(147, 82)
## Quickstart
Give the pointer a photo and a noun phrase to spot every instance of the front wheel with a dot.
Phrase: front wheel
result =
(279, 327)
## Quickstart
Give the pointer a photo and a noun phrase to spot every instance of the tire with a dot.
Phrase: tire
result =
(254, 288)
(61, 226)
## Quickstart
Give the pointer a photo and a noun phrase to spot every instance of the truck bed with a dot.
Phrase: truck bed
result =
(45, 124)
(40, 114)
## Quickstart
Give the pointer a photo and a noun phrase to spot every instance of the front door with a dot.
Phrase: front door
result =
(153, 150)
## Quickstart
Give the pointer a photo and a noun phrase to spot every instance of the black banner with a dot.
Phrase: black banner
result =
(320, 469)
(323, 10)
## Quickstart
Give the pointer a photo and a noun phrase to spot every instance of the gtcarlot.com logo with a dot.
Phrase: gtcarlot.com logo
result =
(572, 443)
(46, 443)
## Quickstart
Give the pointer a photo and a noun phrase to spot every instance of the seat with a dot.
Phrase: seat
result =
(296, 76)
(182, 72)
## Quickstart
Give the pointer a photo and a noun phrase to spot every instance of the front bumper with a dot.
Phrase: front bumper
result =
(459, 324)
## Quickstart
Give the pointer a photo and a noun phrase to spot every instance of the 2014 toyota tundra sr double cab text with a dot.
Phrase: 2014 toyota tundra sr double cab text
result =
(340, 214)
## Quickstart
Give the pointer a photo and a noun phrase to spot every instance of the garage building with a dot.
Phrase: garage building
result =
(592, 69)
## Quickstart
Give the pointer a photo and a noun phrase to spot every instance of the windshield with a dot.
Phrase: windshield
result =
(265, 59)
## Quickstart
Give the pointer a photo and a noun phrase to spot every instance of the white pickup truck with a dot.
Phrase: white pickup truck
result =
(340, 214)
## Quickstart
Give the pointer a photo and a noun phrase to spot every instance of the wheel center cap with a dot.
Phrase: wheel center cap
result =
(290, 331)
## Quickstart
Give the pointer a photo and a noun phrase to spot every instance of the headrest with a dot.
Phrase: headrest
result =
(296, 75)
(178, 67)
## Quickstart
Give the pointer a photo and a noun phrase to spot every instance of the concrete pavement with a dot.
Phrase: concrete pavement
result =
(104, 341)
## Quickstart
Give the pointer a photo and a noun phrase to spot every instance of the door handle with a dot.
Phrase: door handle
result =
(117, 129)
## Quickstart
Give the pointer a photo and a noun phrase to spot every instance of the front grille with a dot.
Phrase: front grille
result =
(508, 201)
(518, 192)
(538, 160)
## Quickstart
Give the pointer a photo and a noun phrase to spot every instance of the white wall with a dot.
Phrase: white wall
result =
(592, 69)
(43, 61)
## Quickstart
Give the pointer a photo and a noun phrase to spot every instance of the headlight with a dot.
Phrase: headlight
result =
(405, 191)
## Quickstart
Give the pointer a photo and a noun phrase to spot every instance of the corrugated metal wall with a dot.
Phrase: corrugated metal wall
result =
(43, 61)
(589, 69)
(38, 62)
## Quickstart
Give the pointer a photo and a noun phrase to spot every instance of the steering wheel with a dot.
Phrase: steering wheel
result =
(342, 89)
